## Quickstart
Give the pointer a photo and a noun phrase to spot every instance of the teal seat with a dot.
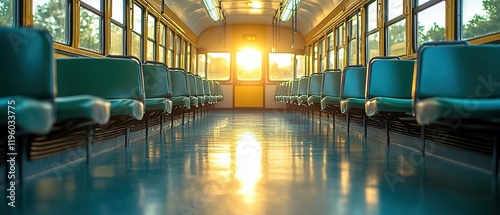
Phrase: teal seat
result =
(206, 89)
(353, 88)
(180, 90)
(220, 94)
(314, 90)
(200, 90)
(119, 81)
(331, 88)
(213, 92)
(292, 98)
(86, 108)
(352, 94)
(471, 90)
(302, 90)
(192, 89)
(28, 79)
(388, 86)
(157, 87)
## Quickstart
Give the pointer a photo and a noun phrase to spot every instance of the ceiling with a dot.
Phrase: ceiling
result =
(192, 13)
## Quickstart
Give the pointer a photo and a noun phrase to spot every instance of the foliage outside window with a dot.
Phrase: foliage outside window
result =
(300, 65)
(353, 29)
(331, 51)
(372, 32)
(340, 46)
(7, 12)
(395, 28)
(431, 22)
(137, 32)
(178, 48)
(202, 60)
(170, 52)
(322, 55)
(218, 66)
(480, 18)
(151, 47)
(117, 38)
(281, 66)
(162, 43)
(91, 19)
(53, 16)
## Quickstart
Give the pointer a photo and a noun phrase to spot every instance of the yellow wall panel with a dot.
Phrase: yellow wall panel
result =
(249, 96)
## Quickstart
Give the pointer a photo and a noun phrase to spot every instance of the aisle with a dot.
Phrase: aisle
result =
(242, 162)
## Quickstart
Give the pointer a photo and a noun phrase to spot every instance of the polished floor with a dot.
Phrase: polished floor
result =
(258, 163)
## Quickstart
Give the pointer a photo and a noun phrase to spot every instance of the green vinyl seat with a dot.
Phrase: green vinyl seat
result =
(118, 81)
(157, 87)
(352, 94)
(192, 89)
(302, 90)
(471, 91)
(330, 90)
(314, 90)
(220, 94)
(200, 90)
(206, 89)
(28, 79)
(292, 98)
(388, 86)
(180, 90)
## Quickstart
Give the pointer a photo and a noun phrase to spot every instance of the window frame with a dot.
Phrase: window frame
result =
(388, 23)
(102, 16)
(417, 9)
(149, 39)
(355, 16)
(370, 32)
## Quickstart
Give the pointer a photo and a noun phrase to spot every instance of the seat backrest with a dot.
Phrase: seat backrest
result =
(389, 78)
(179, 82)
(303, 85)
(26, 60)
(199, 85)
(156, 81)
(192, 84)
(219, 89)
(206, 87)
(109, 78)
(330, 84)
(314, 87)
(457, 71)
(295, 87)
(353, 82)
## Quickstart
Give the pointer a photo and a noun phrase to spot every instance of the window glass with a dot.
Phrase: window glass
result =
(218, 66)
(202, 59)
(90, 30)
(117, 11)
(372, 43)
(480, 18)
(300, 65)
(372, 16)
(93, 3)
(331, 51)
(431, 23)
(53, 16)
(117, 35)
(249, 65)
(394, 8)
(7, 12)
(281, 66)
(137, 33)
(396, 41)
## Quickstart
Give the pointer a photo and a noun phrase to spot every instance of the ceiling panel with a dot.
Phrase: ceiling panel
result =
(192, 13)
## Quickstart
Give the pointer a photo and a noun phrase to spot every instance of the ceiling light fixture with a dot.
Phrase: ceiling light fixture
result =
(290, 7)
(213, 9)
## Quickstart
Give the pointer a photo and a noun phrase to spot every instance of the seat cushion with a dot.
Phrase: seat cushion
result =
(181, 101)
(433, 109)
(313, 100)
(194, 100)
(201, 100)
(33, 115)
(302, 99)
(129, 107)
(351, 103)
(384, 104)
(92, 108)
(161, 104)
(329, 100)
